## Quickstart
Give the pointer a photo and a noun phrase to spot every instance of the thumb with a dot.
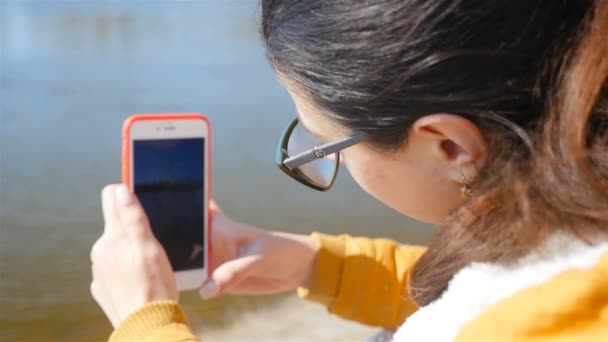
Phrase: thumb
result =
(228, 275)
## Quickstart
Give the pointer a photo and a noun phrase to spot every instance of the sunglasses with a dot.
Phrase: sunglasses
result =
(303, 157)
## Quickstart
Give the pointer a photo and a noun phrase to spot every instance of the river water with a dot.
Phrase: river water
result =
(70, 72)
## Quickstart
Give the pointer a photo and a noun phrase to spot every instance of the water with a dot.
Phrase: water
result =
(70, 72)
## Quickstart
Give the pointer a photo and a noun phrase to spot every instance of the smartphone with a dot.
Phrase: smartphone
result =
(166, 163)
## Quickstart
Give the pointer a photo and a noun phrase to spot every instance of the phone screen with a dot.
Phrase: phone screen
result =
(168, 179)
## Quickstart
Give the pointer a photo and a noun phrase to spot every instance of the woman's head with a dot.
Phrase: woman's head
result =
(380, 68)
(446, 92)
(421, 179)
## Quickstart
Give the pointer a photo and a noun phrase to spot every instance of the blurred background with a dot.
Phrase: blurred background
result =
(70, 72)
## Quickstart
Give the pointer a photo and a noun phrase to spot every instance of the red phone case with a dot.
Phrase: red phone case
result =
(126, 156)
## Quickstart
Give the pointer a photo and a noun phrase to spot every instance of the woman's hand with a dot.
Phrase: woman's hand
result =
(249, 260)
(130, 268)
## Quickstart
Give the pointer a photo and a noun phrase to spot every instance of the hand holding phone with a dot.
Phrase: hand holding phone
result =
(248, 260)
(130, 268)
(166, 163)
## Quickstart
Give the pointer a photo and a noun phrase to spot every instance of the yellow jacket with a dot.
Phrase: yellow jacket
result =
(365, 280)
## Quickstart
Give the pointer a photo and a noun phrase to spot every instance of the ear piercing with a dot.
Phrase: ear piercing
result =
(465, 189)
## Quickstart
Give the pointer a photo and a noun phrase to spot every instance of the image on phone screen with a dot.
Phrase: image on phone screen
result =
(168, 179)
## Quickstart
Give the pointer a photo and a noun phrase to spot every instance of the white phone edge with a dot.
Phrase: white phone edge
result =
(146, 129)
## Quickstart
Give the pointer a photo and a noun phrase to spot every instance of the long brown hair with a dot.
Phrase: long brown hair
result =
(562, 184)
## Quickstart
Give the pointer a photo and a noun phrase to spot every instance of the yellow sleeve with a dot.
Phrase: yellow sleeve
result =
(162, 321)
(363, 280)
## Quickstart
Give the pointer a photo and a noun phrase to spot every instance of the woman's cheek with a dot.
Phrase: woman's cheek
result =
(369, 175)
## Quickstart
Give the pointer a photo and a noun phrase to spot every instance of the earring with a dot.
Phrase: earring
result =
(465, 189)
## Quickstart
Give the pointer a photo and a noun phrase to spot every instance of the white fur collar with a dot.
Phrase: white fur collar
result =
(480, 285)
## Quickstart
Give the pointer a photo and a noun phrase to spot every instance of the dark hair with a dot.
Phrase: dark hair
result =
(531, 74)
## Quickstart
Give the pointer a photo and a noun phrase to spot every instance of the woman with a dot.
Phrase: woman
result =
(489, 119)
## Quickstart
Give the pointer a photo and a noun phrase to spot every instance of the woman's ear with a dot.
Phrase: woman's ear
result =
(456, 141)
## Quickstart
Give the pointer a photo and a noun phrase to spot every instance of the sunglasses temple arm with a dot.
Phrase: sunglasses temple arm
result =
(328, 149)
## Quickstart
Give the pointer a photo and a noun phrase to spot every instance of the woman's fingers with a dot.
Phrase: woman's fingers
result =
(229, 274)
(214, 208)
(108, 205)
(122, 212)
(132, 216)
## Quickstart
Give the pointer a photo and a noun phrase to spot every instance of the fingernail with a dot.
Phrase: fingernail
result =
(209, 290)
(123, 196)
